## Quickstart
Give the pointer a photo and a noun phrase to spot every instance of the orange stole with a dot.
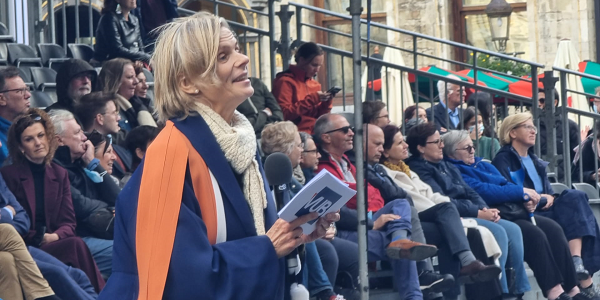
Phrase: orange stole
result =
(159, 202)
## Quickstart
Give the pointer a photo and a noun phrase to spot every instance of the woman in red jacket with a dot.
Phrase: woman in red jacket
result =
(298, 94)
(43, 189)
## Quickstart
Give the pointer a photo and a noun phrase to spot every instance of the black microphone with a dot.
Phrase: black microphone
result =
(278, 170)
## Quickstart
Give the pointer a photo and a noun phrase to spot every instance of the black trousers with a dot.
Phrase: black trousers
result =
(443, 228)
(447, 220)
(547, 253)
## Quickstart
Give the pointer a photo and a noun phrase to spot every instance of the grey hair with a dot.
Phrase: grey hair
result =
(443, 86)
(451, 140)
(58, 118)
(322, 125)
(304, 137)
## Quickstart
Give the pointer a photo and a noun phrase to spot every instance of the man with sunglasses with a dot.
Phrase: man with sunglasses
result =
(390, 225)
(574, 138)
(14, 100)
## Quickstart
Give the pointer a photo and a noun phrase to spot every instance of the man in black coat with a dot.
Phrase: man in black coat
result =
(75, 79)
(560, 139)
(446, 114)
(261, 108)
(92, 194)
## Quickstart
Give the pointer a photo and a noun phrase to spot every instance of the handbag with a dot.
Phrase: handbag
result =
(512, 211)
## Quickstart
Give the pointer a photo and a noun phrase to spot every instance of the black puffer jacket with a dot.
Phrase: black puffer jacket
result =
(88, 197)
(117, 37)
(68, 70)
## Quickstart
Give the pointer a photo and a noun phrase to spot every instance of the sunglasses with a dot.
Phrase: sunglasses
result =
(344, 129)
(468, 148)
(28, 118)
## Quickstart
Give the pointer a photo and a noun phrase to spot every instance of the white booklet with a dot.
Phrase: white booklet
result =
(325, 193)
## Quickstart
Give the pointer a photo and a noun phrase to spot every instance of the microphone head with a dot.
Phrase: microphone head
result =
(278, 169)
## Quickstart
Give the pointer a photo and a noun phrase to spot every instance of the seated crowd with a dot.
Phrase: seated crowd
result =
(430, 191)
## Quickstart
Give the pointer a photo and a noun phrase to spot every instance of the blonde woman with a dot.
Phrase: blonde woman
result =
(196, 219)
(570, 209)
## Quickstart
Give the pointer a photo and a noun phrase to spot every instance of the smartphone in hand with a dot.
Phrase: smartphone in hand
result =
(334, 90)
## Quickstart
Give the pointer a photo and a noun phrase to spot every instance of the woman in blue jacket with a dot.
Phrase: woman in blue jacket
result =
(570, 209)
(427, 160)
(545, 245)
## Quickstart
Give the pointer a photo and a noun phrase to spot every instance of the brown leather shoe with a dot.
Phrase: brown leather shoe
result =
(478, 272)
(407, 249)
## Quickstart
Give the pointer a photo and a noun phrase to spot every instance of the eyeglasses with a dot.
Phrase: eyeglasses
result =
(542, 100)
(20, 91)
(468, 148)
(385, 116)
(114, 113)
(529, 128)
(344, 129)
(310, 151)
(438, 142)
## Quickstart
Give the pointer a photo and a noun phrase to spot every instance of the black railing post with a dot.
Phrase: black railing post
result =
(355, 10)
(549, 119)
(565, 129)
(285, 15)
(534, 108)
(272, 42)
(299, 23)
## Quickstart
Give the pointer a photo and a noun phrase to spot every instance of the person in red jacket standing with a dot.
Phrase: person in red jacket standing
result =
(298, 94)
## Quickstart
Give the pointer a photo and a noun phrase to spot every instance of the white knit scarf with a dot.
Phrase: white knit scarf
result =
(238, 143)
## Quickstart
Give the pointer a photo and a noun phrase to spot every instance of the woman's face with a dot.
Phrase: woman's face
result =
(128, 82)
(106, 158)
(296, 154)
(34, 143)
(127, 4)
(422, 114)
(524, 133)
(433, 149)
(473, 129)
(310, 156)
(399, 149)
(465, 152)
(232, 71)
(141, 89)
(311, 67)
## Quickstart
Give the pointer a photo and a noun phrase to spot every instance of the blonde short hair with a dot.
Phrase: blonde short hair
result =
(278, 137)
(186, 48)
(510, 123)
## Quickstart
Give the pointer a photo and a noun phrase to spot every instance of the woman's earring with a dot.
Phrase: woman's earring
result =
(196, 91)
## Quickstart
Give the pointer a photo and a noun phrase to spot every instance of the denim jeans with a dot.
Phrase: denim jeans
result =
(405, 271)
(314, 276)
(510, 239)
(102, 252)
(67, 282)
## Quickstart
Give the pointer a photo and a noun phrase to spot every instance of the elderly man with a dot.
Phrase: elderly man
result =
(446, 114)
(392, 224)
(98, 111)
(93, 195)
(14, 100)
(75, 79)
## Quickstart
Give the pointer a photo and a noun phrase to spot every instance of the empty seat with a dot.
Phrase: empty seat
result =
(43, 78)
(80, 51)
(558, 187)
(20, 54)
(552, 177)
(3, 29)
(25, 74)
(5, 38)
(41, 99)
(52, 55)
(589, 190)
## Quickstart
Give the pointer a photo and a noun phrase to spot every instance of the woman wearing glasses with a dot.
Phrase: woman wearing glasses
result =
(517, 163)
(427, 160)
(42, 188)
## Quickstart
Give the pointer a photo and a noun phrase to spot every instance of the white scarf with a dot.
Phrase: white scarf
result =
(238, 143)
